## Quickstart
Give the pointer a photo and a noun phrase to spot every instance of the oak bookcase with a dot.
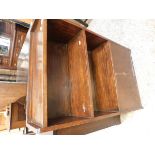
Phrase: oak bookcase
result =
(78, 81)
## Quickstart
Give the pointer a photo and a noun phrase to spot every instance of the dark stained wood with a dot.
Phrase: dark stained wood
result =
(58, 80)
(69, 91)
(126, 85)
(69, 94)
(7, 29)
(18, 43)
(57, 28)
(64, 119)
(73, 121)
(121, 55)
(92, 81)
(93, 40)
(81, 93)
(37, 83)
(105, 91)
(89, 127)
(17, 34)
(128, 97)
(23, 60)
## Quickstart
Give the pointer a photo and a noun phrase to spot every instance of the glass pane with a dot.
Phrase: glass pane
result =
(4, 46)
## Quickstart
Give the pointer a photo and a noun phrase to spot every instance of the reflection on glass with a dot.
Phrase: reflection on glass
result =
(4, 46)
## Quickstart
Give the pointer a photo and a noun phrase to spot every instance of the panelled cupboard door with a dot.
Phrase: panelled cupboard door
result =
(37, 82)
(126, 84)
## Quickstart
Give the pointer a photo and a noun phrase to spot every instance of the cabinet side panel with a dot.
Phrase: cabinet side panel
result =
(106, 98)
(127, 90)
(37, 82)
(81, 93)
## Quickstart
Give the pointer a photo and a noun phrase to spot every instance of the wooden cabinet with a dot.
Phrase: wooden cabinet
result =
(7, 35)
(79, 81)
(12, 113)
(17, 115)
(13, 116)
(12, 37)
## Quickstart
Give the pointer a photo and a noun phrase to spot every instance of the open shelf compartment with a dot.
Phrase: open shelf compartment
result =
(68, 78)
(71, 76)
(102, 74)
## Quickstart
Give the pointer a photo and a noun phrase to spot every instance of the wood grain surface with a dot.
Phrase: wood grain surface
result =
(106, 98)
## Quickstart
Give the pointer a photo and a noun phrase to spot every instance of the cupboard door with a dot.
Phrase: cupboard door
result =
(126, 84)
(18, 116)
(37, 82)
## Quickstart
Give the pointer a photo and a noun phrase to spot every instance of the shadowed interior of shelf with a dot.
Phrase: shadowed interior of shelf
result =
(102, 75)
(71, 119)
(80, 83)
(64, 119)
(69, 92)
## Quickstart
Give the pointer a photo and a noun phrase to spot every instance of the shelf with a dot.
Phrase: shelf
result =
(66, 122)
(68, 90)
(102, 74)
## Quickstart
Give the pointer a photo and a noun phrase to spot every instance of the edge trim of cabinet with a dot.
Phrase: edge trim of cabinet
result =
(37, 130)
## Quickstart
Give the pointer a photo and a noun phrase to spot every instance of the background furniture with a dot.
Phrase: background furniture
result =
(12, 36)
(13, 116)
(16, 34)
